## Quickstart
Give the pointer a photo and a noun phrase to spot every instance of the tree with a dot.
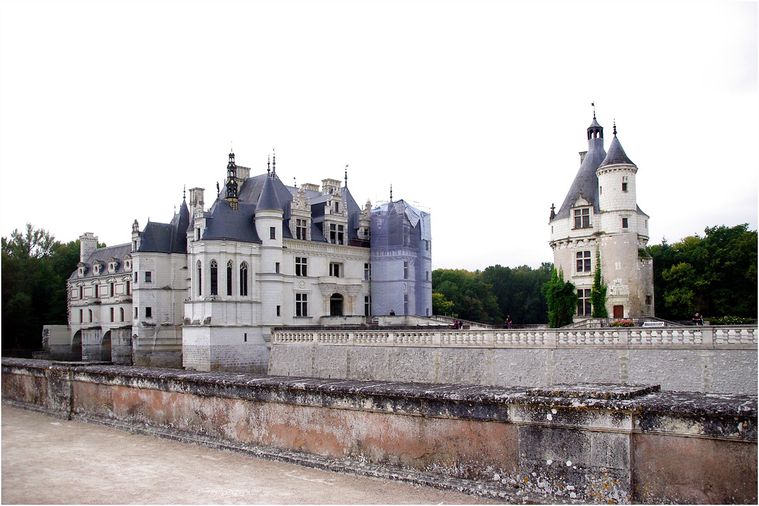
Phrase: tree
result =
(35, 269)
(598, 292)
(561, 299)
(441, 305)
(715, 274)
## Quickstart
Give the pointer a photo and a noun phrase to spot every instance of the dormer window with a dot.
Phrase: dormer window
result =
(336, 233)
(301, 229)
(81, 271)
(582, 217)
(96, 269)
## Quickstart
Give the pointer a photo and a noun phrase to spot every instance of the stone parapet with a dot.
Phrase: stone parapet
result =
(703, 359)
(566, 443)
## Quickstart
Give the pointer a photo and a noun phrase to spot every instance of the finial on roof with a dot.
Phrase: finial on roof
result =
(615, 127)
(593, 104)
(273, 162)
(184, 192)
(218, 191)
(553, 211)
(391, 193)
(346, 175)
(268, 164)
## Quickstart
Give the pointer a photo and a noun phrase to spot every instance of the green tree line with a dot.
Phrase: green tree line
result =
(35, 268)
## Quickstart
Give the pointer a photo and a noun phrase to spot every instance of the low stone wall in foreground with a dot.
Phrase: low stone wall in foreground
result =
(587, 443)
(699, 359)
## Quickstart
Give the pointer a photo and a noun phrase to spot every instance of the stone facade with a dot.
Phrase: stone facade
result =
(204, 290)
(600, 221)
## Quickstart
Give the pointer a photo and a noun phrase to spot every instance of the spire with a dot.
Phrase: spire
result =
(268, 165)
(615, 127)
(346, 175)
(184, 192)
(231, 183)
(593, 104)
(268, 199)
(616, 155)
(273, 162)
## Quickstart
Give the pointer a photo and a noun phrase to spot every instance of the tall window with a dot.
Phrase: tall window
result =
(243, 279)
(367, 272)
(301, 304)
(625, 223)
(300, 228)
(335, 269)
(624, 183)
(81, 295)
(89, 311)
(121, 314)
(583, 261)
(96, 290)
(148, 277)
(405, 303)
(272, 232)
(583, 302)
(405, 270)
(229, 277)
(301, 266)
(336, 233)
(112, 314)
(136, 312)
(128, 287)
(199, 270)
(81, 315)
(112, 289)
(214, 278)
(582, 217)
(367, 306)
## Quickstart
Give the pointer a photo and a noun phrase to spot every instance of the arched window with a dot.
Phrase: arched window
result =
(243, 279)
(90, 314)
(121, 314)
(214, 278)
(229, 278)
(200, 278)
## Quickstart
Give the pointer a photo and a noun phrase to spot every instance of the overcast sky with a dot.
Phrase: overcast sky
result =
(474, 110)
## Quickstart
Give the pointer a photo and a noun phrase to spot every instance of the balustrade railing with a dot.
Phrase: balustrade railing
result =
(706, 337)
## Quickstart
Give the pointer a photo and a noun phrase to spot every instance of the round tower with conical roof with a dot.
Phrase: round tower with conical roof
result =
(600, 218)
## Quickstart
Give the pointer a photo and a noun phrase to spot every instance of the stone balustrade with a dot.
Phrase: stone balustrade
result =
(701, 337)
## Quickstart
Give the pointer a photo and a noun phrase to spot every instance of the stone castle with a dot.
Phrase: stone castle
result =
(204, 290)
(600, 222)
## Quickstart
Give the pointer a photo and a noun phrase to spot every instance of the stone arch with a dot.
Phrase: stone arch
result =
(76, 346)
(105, 347)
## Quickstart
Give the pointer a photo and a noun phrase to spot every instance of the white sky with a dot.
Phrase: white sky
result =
(474, 110)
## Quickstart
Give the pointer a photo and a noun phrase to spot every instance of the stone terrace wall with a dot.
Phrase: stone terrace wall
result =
(700, 359)
(580, 443)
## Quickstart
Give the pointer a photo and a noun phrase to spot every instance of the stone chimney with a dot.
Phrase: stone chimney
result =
(88, 242)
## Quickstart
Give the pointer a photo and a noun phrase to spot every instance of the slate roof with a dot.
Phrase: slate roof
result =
(268, 199)
(585, 183)
(225, 223)
(616, 154)
(167, 237)
(104, 255)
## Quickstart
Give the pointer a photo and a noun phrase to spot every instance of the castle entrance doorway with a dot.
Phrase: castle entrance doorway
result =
(336, 305)
(619, 311)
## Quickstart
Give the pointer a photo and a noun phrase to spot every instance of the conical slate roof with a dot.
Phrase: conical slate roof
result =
(616, 154)
(268, 200)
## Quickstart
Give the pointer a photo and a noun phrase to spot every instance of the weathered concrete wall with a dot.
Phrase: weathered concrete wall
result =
(587, 442)
(700, 359)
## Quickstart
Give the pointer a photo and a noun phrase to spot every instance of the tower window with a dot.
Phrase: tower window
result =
(229, 277)
(112, 314)
(128, 287)
(301, 266)
(624, 223)
(272, 232)
(405, 270)
(214, 278)
(367, 272)
(148, 277)
(199, 270)
(148, 312)
(624, 183)
(582, 217)
(583, 261)
(243, 279)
